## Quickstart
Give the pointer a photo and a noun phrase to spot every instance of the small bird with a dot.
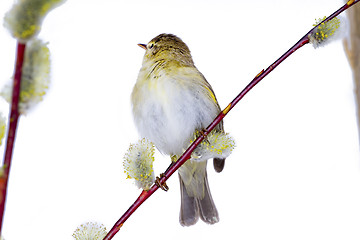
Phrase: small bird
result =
(171, 101)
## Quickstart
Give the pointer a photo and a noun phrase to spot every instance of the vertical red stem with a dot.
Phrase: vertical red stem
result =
(13, 121)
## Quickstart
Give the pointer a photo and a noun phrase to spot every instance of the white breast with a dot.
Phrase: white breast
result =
(168, 109)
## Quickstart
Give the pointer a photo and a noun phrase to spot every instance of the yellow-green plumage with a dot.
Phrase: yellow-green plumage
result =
(171, 100)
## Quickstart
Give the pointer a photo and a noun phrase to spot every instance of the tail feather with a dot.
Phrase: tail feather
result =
(219, 164)
(189, 209)
(208, 211)
(193, 207)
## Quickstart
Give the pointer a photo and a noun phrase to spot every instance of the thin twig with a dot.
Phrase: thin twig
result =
(187, 154)
(13, 121)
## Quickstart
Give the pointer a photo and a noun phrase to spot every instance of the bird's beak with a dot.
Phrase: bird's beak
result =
(142, 46)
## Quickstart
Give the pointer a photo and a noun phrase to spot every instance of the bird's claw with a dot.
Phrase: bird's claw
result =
(204, 134)
(163, 185)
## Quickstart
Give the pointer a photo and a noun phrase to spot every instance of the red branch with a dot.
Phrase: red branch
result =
(13, 121)
(187, 154)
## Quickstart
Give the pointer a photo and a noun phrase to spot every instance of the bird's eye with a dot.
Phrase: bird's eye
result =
(150, 46)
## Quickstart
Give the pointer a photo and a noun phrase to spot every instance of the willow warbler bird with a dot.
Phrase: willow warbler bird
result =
(171, 101)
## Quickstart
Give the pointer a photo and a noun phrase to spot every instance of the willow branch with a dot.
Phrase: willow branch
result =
(13, 121)
(352, 50)
(187, 154)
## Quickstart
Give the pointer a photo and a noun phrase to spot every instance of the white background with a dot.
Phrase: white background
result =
(294, 173)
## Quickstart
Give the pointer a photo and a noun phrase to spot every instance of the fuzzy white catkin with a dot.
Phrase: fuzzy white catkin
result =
(35, 78)
(216, 145)
(138, 163)
(327, 32)
(25, 17)
(90, 231)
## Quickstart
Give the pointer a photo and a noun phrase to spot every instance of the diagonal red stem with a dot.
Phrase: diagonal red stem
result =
(13, 121)
(187, 154)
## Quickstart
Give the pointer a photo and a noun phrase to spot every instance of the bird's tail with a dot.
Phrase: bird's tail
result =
(196, 200)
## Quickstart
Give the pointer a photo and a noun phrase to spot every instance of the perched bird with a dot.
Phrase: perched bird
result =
(171, 101)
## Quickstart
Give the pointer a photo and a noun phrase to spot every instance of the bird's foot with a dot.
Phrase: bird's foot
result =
(163, 185)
